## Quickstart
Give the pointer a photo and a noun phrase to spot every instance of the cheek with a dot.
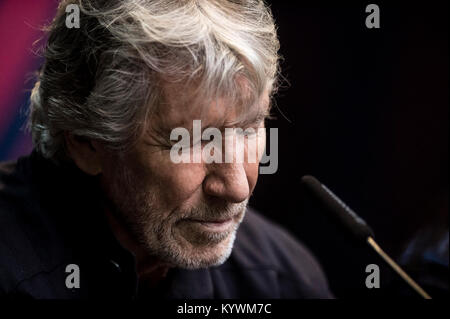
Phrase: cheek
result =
(261, 142)
(252, 169)
(175, 184)
(181, 181)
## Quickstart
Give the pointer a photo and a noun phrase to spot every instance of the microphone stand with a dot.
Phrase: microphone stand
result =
(397, 268)
(354, 224)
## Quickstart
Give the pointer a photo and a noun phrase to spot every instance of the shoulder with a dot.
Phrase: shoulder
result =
(23, 228)
(262, 245)
(13, 196)
(261, 242)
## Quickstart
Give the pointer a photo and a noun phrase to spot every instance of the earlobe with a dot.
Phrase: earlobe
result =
(85, 153)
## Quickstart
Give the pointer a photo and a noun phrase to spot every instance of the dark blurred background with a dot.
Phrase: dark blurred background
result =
(363, 110)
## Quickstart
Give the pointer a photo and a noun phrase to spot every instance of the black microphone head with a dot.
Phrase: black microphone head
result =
(336, 208)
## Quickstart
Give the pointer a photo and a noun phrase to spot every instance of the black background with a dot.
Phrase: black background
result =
(366, 112)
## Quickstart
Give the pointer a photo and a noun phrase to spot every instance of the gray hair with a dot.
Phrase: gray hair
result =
(103, 80)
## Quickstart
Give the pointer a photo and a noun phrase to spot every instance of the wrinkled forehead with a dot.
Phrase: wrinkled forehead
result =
(181, 104)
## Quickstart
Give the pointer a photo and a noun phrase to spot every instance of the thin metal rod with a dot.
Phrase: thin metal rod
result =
(397, 268)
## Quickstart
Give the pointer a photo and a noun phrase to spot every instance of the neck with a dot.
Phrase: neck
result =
(150, 269)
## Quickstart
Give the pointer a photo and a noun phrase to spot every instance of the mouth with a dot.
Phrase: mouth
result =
(216, 225)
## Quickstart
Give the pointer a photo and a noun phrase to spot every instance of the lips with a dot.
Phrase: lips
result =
(214, 221)
(217, 225)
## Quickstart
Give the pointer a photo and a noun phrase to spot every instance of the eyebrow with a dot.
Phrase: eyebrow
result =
(262, 113)
(258, 117)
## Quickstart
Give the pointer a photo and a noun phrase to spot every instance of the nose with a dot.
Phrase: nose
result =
(227, 181)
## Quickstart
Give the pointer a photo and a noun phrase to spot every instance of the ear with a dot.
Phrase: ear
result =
(85, 153)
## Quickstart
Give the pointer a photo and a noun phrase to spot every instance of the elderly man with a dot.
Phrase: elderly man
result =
(100, 208)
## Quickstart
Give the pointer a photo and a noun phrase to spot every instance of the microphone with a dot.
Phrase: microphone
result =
(343, 215)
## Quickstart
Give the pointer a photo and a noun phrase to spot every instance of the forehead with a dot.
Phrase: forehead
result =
(181, 105)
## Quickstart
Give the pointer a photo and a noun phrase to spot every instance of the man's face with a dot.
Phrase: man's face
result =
(186, 214)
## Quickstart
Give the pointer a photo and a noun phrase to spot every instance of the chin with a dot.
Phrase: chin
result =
(188, 256)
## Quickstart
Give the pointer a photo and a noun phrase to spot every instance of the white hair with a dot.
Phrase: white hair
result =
(103, 80)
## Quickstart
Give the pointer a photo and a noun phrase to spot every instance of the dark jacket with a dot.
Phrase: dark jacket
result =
(50, 218)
